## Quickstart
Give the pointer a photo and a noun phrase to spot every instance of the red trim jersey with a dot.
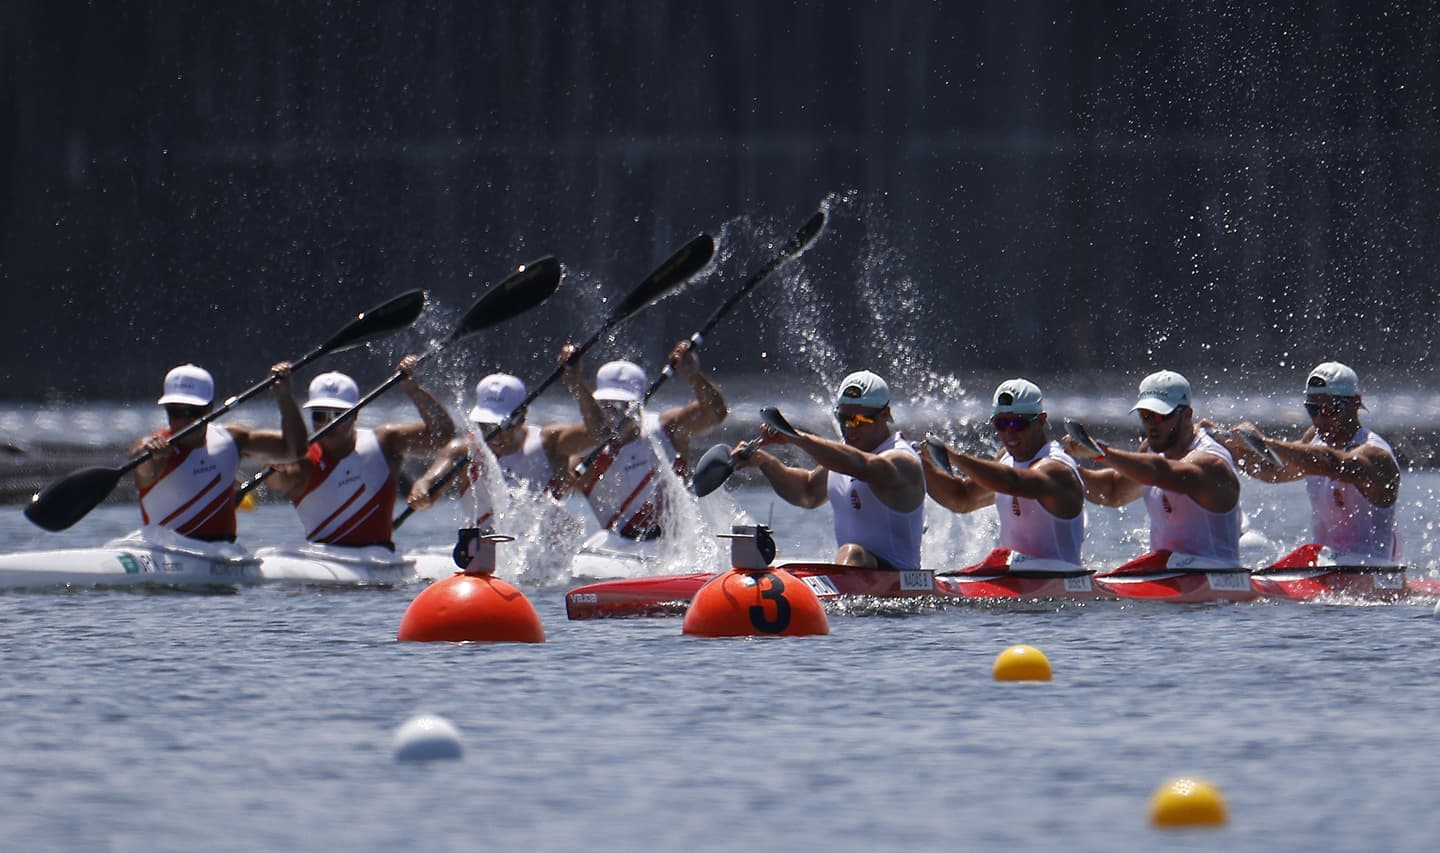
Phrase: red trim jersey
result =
(350, 500)
(627, 496)
(195, 494)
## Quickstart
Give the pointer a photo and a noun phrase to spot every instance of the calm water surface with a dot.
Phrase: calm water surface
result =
(262, 719)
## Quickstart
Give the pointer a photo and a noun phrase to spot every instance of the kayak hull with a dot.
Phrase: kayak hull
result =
(132, 561)
(335, 564)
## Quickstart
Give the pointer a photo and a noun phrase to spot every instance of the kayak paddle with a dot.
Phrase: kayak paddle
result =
(1082, 437)
(1253, 440)
(792, 249)
(522, 290)
(679, 268)
(69, 499)
(938, 453)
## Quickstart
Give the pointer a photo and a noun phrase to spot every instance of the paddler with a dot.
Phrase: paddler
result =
(344, 486)
(530, 458)
(1187, 477)
(188, 486)
(1350, 472)
(872, 478)
(1034, 484)
(624, 486)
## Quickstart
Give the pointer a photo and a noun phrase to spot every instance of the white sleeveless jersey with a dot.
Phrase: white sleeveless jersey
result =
(526, 468)
(627, 496)
(195, 495)
(1344, 519)
(862, 519)
(1180, 525)
(1027, 527)
(349, 501)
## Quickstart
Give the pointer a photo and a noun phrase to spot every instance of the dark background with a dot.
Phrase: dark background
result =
(1027, 186)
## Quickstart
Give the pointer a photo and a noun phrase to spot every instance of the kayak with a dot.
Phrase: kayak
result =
(1006, 574)
(311, 562)
(151, 556)
(668, 595)
(1177, 578)
(1315, 571)
(607, 554)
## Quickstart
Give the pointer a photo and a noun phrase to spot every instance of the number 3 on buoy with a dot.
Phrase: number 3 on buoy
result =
(774, 592)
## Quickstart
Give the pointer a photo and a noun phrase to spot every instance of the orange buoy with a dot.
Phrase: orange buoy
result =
(472, 605)
(752, 599)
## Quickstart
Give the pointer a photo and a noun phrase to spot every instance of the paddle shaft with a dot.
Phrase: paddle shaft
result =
(797, 244)
(677, 269)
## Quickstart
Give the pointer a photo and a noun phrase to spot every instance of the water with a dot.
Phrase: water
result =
(262, 719)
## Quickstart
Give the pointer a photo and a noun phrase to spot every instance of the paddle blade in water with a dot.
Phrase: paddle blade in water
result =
(383, 319)
(70, 498)
(527, 287)
(713, 469)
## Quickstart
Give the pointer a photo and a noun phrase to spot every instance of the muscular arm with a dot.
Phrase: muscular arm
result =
(1368, 468)
(1203, 477)
(434, 429)
(455, 451)
(1049, 482)
(1248, 460)
(794, 485)
(894, 476)
(707, 411)
(957, 494)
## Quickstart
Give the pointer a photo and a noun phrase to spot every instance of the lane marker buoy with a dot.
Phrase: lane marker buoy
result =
(472, 605)
(752, 599)
(1022, 663)
(1186, 802)
(426, 737)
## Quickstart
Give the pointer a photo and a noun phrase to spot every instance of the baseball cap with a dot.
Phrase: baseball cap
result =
(863, 388)
(1018, 397)
(1163, 392)
(188, 385)
(1333, 378)
(332, 391)
(622, 381)
(497, 396)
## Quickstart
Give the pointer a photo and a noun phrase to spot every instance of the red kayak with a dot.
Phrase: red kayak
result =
(1177, 578)
(1005, 574)
(1314, 571)
(665, 595)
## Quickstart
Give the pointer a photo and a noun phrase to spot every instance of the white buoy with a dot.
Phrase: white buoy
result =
(427, 737)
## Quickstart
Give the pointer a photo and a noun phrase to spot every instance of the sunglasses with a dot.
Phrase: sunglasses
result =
(1149, 417)
(320, 417)
(1330, 408)
(1012, 423)
(186, 412)
(854, 419)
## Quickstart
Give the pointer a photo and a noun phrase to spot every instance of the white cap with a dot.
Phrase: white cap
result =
(497, 396)
(188, 385)
(1333, 378)
(622, 381)
(1163, 392)
(1018, 397)
(863, 388)
(332, 391)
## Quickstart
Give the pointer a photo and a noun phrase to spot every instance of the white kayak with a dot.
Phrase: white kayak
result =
(311, 562)
(607, 554)
(150, 556)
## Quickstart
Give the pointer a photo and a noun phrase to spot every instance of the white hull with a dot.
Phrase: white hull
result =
(148, 557)
(607, 555)
(335, 564)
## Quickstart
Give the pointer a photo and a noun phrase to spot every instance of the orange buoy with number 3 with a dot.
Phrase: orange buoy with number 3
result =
(752, 599)
(755, 603)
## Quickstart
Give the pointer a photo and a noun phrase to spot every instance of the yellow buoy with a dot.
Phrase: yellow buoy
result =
(1186, 802)
(1022, 663)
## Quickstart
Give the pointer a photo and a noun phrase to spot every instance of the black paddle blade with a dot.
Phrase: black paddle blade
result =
(713, 469)
(677, 269)
(70, 498)
(525, 288)
(939, 455)
(383, 319)
(1082, 437)
(805, 236)
(776, 421)
(1253, 440)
